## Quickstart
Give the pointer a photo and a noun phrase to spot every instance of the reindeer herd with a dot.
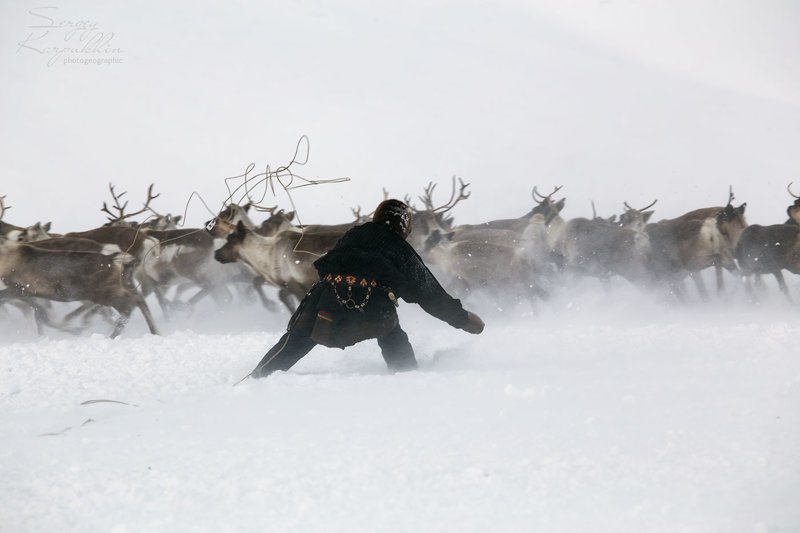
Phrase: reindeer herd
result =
(120, 265)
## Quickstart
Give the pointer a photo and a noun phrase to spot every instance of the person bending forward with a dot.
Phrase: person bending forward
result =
(361, 279)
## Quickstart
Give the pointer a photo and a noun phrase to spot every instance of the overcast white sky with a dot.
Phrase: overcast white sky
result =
(614, 100)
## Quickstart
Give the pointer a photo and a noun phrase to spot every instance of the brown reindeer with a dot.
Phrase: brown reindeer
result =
(225, 223)
(65, 276)
(135, 242)
(602, 249)
(697, 240)
(285, 260)
(730, 224)
(188, 254)
(227, 219)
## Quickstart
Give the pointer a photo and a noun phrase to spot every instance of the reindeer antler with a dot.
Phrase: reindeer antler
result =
(536, 193)
(120, 208)
(639, 210)
(427, 198)
(789, 188)
(3, 207)
(451, 203)
(461, 196)
(356, 212)
(731, 197)
(270, 210)
(121, 215)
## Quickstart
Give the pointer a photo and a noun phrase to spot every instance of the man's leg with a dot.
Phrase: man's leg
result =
(286, 352)
(397, 351)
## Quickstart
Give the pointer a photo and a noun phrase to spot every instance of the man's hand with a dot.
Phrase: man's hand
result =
(474, 324)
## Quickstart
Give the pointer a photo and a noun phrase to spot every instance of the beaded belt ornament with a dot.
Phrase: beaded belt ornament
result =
(351, 281)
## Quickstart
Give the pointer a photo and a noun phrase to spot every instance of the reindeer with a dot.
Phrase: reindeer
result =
(601, 248)
(771, 249)
(519, 250)
(36, 232)
(282, 221)
(188, 255)
(731, 225)
(284, 260)
(225, 223)
(504, 271)
(11, 232)
(693, 242)
(425, 221)
(73, 244)
(136, 243)
(545, 206)
(228, 218)
(29, 272)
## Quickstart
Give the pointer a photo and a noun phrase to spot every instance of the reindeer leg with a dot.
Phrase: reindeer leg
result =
(697, 277)
(84, 307)
(221, 294)
(148, 286)
(676, 287)
(782, 284)
(285, 296)
(720, 279)
(124, 315)
(258, 284)
(148, 317)
(42, 318)
(104, 311)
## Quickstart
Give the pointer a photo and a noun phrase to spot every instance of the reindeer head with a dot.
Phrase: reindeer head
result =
(229, 252)
(227, 219)
(276, 223)
(546, 206)
(162, 222)
(36, 232)
(425, 221)
(731, 221)
(636, 219)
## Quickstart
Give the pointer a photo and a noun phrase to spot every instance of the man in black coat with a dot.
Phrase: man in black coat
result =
(361, 279)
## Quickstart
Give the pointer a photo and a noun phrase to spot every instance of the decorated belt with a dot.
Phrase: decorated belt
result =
(350, 281)
(348, 301)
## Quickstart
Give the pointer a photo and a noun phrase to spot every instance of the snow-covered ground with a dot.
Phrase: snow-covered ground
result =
(605, 411)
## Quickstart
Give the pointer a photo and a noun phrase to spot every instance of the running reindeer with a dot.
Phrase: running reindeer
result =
(771, 249)
(697, 240)
(28, 272)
